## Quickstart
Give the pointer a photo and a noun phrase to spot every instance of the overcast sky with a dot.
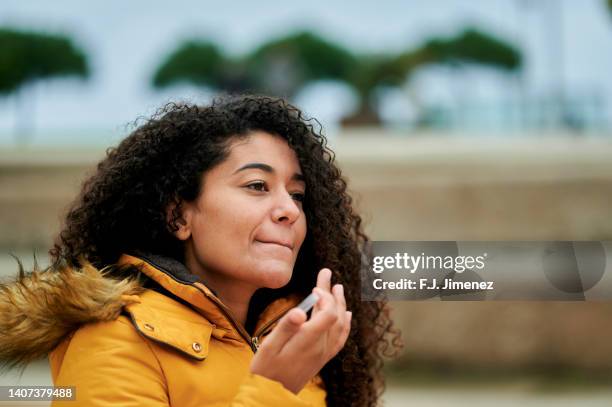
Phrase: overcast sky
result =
(126, 40)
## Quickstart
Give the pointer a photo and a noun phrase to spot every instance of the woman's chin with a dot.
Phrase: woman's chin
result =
(276, 275)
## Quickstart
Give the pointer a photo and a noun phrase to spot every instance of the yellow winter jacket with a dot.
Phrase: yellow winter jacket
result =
(173, 343)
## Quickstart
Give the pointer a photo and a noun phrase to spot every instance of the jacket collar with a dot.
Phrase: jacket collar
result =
(188, 288)
(41, 308)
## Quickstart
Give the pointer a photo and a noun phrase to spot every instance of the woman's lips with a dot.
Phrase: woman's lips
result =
(279, 244)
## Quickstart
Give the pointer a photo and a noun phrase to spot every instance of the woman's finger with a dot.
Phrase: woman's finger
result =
(346, 330)
(326, 300)
(324, 285)
(338, 292)
(324, 279)
(337, 330)
(324, 316)
(288, 325)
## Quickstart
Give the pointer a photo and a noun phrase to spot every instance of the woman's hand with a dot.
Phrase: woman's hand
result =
(296, 350)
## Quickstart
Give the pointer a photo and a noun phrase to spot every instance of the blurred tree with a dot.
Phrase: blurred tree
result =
(610, 5)
(469, 47)
(197, 62)
(473, 46)
(28, 57)
(374, 71)
(283, 66)
(279, 67)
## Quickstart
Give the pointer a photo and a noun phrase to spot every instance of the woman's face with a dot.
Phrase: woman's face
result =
(247, 226)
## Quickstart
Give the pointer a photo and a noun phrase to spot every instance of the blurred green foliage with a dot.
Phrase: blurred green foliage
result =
(28, 56)
(197, 62)
(305, 56)
(283, 66)
(473, 46)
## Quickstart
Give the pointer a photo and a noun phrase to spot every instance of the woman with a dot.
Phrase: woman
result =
(177, 273)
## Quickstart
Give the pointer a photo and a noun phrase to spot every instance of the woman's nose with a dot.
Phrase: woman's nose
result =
(286, 208)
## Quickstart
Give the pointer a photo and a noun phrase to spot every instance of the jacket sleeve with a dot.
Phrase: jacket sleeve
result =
(259, 391)
(110, 365)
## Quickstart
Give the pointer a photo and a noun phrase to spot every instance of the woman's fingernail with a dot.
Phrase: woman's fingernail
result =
(340, 289)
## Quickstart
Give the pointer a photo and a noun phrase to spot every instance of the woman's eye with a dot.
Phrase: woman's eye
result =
(257, 186)
(261, 186)
(298, 197)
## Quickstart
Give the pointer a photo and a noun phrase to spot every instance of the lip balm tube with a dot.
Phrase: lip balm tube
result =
(308, 302)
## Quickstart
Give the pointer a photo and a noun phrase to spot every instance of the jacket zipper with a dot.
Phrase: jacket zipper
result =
(264, 329)
(253, 341)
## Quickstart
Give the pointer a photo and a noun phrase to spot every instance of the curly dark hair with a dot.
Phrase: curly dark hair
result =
(121, 208)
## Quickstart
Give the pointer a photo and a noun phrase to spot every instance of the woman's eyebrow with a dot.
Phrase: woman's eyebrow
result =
(269, 169)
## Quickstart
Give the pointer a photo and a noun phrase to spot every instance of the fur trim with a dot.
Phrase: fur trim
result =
(39, 308)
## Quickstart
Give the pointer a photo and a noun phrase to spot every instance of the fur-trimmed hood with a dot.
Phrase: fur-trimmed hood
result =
(38, 309)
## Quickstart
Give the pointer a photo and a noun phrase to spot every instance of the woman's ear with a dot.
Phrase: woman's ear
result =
(184, 229)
